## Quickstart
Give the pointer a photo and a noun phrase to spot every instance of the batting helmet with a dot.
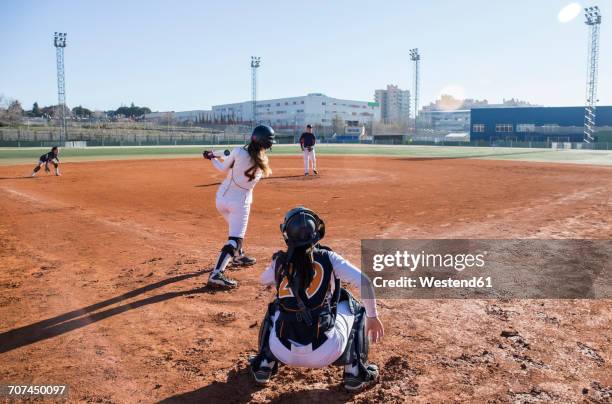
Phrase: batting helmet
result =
(302, 227)
(263, 135)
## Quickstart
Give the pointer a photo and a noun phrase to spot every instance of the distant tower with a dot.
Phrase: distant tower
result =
(255, 62)
(416, 58)
(593, 20)
(59, 41)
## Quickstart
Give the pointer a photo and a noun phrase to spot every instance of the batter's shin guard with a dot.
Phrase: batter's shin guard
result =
(36, 169)
(227, 252)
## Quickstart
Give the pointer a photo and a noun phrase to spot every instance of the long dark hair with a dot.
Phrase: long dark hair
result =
(260, 161)
(301, 262)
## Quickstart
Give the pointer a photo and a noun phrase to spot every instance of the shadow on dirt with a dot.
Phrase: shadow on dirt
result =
(238, 388)
(313, 396)
(25, 177)
(263, 179)
(75, 319)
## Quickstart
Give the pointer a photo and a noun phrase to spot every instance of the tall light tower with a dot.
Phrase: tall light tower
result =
(255, 62)
(59, 41)
(416, 58)
(593, 20)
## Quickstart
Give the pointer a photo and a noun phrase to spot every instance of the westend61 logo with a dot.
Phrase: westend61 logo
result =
(485, 269)
(412, 262)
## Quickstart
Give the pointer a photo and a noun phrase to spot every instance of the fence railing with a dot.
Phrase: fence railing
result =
(11, 137)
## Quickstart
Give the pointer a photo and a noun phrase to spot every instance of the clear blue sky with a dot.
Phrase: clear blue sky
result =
(181, 55)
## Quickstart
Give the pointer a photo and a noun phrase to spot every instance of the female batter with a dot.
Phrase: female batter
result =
(51, 157)
(244, 167)
(314, 322)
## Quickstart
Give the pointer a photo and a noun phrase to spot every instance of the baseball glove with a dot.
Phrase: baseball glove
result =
(208, 155)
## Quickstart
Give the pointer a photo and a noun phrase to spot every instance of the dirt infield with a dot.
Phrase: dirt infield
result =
(101, 273)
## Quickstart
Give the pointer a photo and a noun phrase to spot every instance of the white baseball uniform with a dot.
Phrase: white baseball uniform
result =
(235, 194)
(310, 157)
(337, 337)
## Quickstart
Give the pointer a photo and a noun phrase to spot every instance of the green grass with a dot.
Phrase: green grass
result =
(10, 156)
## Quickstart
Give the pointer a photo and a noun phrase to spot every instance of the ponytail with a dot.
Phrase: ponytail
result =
(302, 263)
(260, 161)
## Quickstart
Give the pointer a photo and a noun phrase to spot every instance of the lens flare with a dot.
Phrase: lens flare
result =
(569, 12)
(451, 97)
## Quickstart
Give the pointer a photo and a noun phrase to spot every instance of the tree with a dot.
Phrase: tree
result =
(35, 110)
(338, 124)
(81, 112)
(132, 111)
(10, 110)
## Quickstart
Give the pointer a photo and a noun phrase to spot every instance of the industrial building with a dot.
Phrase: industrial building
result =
(314, 109)
(538, 124)
(394, 105)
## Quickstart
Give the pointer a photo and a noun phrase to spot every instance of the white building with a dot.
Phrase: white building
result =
(314, 109)
(394, 104)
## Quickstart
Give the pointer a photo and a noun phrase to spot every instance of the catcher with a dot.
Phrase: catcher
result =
(314, 322)
(45, 159)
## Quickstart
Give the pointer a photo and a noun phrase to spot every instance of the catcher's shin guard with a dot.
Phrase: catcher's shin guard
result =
(357, 346)
(263, 373)
(358, 373)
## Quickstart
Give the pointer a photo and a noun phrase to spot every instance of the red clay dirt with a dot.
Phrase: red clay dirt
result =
(101, 274)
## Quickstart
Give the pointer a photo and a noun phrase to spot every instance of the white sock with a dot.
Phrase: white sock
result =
(221, 263)
(265, 364)
(352, 369)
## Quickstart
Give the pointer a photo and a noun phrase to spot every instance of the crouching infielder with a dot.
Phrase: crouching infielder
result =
(314, 322)
(244, 167)
(51, 157)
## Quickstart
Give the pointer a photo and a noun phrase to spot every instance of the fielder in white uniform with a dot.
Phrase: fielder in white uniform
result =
(314, 322)
(307, 143)
(244, 166)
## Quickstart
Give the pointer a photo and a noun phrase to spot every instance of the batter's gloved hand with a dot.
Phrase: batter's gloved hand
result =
(208, 155)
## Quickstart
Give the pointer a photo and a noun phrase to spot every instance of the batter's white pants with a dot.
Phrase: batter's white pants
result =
(235, 208)
(326, 354)
(308, 157)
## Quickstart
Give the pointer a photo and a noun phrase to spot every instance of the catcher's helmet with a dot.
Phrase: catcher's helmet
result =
(263, 135)
(302, 227)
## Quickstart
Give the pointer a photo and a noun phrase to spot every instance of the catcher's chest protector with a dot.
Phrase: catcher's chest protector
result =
(290, 325)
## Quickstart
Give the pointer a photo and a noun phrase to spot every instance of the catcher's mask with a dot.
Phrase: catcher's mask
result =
(302, 227)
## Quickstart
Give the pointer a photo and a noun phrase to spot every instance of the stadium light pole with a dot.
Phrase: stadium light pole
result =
(593, 21)
(416, 58)
(255, 63)
(59, 41)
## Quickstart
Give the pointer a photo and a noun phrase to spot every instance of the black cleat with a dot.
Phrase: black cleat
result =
(243, 261)
(262, 374)
(354, 383)
(219, 280)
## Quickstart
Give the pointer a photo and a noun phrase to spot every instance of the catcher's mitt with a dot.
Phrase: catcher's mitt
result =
(208, 155)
